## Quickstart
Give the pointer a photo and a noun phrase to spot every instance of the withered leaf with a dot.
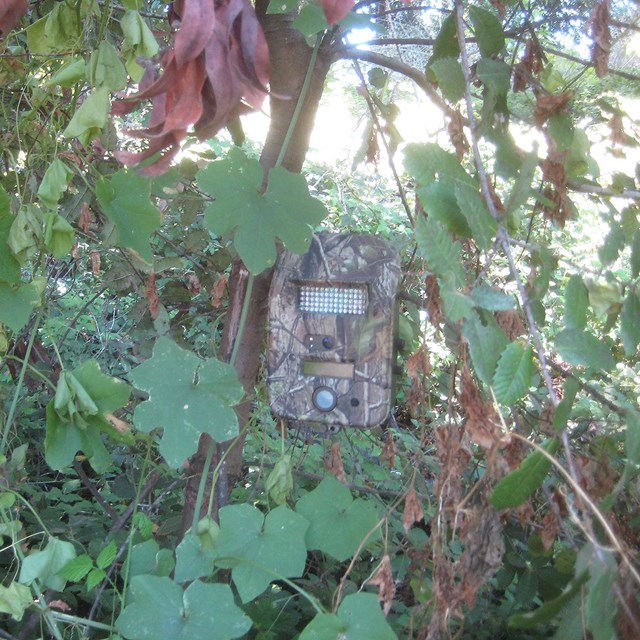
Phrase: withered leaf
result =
(455, 129)
(529, 67)
(413, 511)
(599, 24)
(333, 464)
(389, 450)
(383, 578)
(151, 293)
(218, 291)
(547, 105)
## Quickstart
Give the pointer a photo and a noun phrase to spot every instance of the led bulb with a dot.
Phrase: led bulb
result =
(335, 300)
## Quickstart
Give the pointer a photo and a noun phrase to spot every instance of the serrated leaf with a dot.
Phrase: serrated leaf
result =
(256, 220)
(425, 161)
(76, 569)
(439, 250)
(260, 549)
(488, 30)
(456, 305)
(448, 72)
(518, 485)
(439, 202)
(95, 577)
(338, 523)
(522, 186)
(483, 225)
(161, 609)
(17, 303)
(15, 600)
(486, 343)
(635, 254)
(495, 74)
(446, 44)
(44, 565)
(359, 617)
(512, 378)
(124, 198)
(576, 303)
(192, 560)
(582, 348)
(107, 556)
(613, 244)
(187, 397)
(630, 323)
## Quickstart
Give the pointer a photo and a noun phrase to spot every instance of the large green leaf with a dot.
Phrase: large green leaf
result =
(15, 599)
(260, 549)
(44, 565)
(630, 323)
(442, 254)
(518, 485)
(521, 189)
(491, 299)
(425, 161)
(439, 202)
(187, 397)
(488, 30)
(486, 343)
(9, 265)
(256, 220)
(495, 74)
(90, 118)
(582, 348)
(483, 225)
(576, 303)
(161, 609)
(448, 72)
(446, 44)
(359, 617)
(17, 302)
(339, 523)
(54, 183)
(192, 559)
(124, 198)
(512, 378)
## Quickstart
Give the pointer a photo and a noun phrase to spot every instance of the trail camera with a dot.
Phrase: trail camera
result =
(331, 332)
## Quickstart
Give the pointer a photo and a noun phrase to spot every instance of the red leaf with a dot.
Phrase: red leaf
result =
(151, 294)
(335, 10)
(10, 12)
(197, 21)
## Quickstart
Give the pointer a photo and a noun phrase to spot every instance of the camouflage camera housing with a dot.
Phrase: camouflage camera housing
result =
(331, 332)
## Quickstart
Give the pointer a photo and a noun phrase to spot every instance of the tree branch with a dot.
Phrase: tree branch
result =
(596, 190)
(588, 63)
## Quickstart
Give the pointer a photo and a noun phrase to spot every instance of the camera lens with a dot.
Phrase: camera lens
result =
(324, 399)
(327, 342)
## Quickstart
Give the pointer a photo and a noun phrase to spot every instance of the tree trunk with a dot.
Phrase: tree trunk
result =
(290, 57)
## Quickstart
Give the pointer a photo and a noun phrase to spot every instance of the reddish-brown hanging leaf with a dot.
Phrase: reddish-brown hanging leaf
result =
(433, 300)
(335, 10)
(218, 291)
(599, 26)
(554, 173)
(511, 323)
(10, 12)
(413, 511)
(383, 578)
(529, 67)
(389, 450)
(547, 105)
(86, 219)
(418, 364)
(95, 262)
(455, 128)
(333, 464)
(218, 68)
(151, 293)
(550, 529)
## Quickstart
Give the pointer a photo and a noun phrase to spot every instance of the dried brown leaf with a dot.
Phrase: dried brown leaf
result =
(333, 464)
(550, 529)
(455, 129)
(86, 219)
(389, 450)
(413, 511)
(418, 364)
(511, 323)
(218, 291)
(151, 294)
(599, 26)
(529, 67)
(383, 579)
(547, 105)
(433, 300)
(193, 284)
(95, 262)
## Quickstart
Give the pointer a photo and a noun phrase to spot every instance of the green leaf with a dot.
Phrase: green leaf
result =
(54, 183)
(107, 556)
(68, 74)
(582, 348)
(192, 560)
(495, 74)
(483, 225)
(311, 20)
(9, 265)
(492, 299)
(601, 605)
(518, 485)
(576, 303)
(613, 244)
(90, 118)
(513, 374)
(17, 303)
(58, 234)
(488, 30)
(456, 305)
(439, 202)
(26, 232)
(15, 600)
(124, 198)
(95, 577)
(425, 161)
(279, 483)
(522, 186)
(359, 617)
(256, 220)
(282, 6)
(604, 297)
(630, 323)
(635, 254)
(339, 523)
(448, 72)
(260, 549)
(632, 439)
(486, 343)
(75, 570)
(44, 565)
(439, 250)
(187, 397)
(161, 609)
(139, 41)
(106, 68)
(563, 410)
(446, 44)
